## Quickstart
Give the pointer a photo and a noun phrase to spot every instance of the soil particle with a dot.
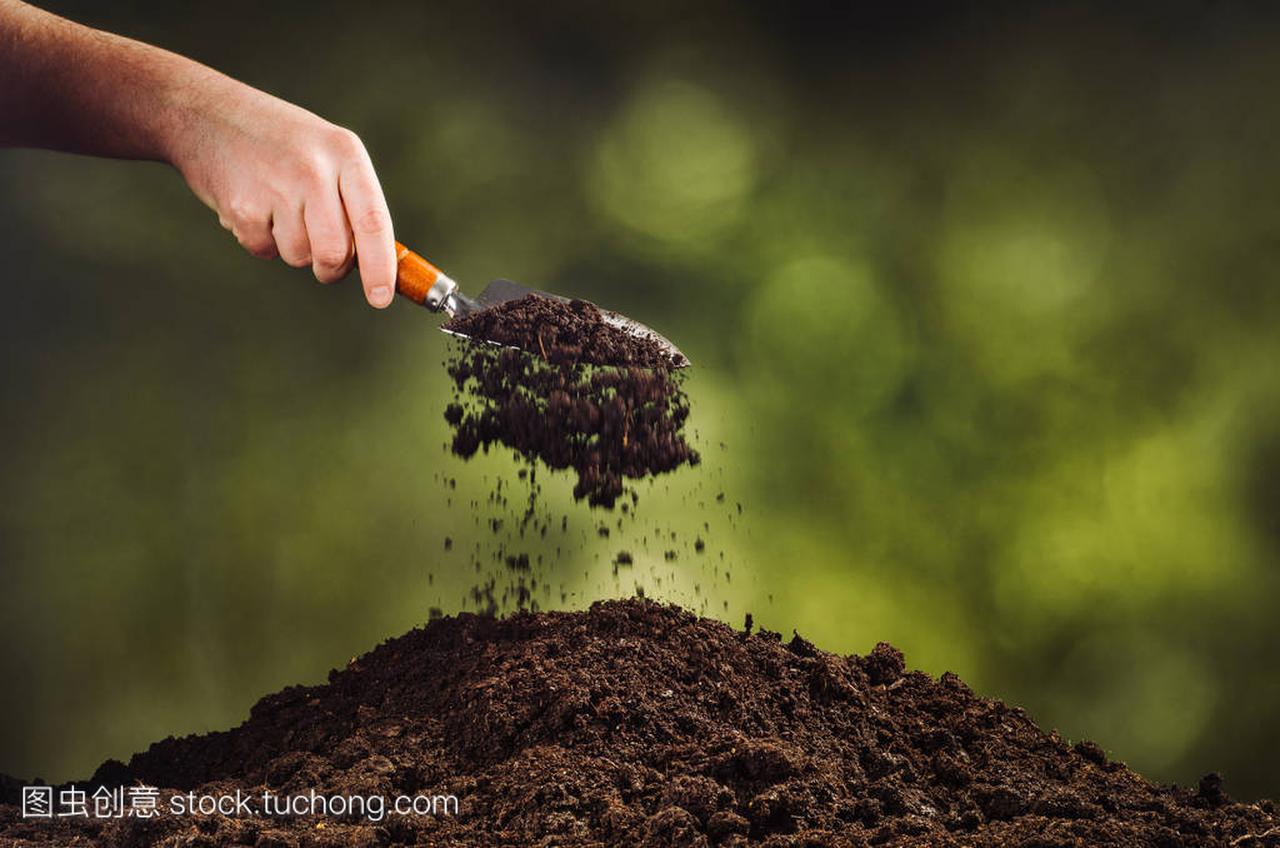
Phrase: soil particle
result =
(571, 391)
(639, 724)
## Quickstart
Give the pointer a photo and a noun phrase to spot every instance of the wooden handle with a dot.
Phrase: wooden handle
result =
(414, 275)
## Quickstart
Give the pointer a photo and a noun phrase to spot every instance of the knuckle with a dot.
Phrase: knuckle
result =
(346, 142)
(372, 221)
(331, 258)
(312, 168)
(243, 211)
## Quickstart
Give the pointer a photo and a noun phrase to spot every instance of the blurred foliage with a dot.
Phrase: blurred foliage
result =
(982, 304)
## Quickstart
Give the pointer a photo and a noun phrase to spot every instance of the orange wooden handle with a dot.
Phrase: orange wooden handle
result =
(414, 275)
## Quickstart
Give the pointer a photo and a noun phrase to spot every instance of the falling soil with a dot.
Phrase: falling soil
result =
(569, 390)
(639, 724)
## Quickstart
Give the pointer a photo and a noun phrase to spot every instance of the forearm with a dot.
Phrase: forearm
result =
(67, 87)
(282, 180)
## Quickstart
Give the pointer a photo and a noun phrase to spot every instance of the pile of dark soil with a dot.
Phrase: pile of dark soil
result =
(638, 724)
(571, 391)
(571, 332)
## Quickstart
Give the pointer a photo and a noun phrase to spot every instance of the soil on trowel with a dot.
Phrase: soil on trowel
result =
(639, 724)
(571, 391)
(572, 332)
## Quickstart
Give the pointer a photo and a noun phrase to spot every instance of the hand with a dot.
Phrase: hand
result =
(287, 183)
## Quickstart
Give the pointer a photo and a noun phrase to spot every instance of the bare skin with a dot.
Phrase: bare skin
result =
(285, 182)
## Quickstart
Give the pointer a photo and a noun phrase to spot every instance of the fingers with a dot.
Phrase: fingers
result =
(290, 233)
(258, 241)
(318, 203)
(332, 254)
(251, 228)
(370, 221)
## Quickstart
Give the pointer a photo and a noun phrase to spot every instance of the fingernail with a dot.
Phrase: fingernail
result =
(380, 296)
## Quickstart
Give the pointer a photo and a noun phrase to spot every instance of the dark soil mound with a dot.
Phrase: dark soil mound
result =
(638, 724)
(572, 391)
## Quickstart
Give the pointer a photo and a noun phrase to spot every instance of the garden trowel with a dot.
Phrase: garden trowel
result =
(426, 285)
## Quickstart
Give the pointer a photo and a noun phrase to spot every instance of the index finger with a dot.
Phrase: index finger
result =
(371, 227)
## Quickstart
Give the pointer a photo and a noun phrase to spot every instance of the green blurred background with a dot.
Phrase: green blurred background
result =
(983, 304)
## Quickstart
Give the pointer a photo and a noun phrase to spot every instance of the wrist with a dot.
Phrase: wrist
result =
(184, 114)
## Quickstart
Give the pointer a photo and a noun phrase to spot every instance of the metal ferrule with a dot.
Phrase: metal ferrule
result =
(440, 294)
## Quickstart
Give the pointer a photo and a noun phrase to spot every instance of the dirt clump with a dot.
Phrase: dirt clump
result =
(639, 724)
(573, 332)
(569, 390)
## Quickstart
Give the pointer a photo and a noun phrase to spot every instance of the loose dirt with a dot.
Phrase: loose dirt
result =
(639, 724)
(563, 333)
(570, 390)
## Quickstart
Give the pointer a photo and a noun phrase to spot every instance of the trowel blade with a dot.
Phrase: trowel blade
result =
(501, 291)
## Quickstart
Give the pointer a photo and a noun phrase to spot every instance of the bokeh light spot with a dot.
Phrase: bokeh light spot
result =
(676, 164)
